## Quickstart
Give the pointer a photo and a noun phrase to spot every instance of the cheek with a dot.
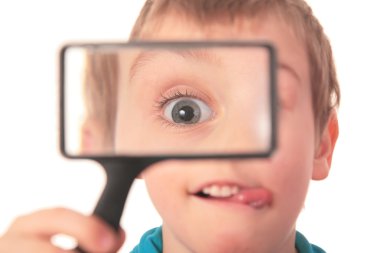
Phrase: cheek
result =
(293, 174)
(166, 187)
(292, 164)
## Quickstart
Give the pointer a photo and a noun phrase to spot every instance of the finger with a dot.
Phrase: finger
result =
(92, 234)
(30, 245)
(122, 237)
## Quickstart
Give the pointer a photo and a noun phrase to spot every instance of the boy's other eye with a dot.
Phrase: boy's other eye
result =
(187, 111)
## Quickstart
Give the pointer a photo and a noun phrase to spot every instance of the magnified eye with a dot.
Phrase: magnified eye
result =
(187, 111)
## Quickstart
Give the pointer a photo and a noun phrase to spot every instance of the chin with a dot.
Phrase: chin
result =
(231, 242)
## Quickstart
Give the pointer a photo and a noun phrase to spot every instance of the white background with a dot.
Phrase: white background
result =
(341, 213)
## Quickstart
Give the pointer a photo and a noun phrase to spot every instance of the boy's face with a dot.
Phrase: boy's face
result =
(251, 205)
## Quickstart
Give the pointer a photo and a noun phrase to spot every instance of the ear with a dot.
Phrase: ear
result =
(324, 150)
(91, 137)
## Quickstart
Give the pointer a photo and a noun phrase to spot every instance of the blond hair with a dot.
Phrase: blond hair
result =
(100, 91)
(325, 88)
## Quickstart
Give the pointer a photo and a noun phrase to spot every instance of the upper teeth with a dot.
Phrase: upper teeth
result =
(220, 191)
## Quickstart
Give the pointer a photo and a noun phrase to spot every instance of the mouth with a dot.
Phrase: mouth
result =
(255, 197)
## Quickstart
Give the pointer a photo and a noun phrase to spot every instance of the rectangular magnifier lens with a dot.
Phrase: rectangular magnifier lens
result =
(191, 99)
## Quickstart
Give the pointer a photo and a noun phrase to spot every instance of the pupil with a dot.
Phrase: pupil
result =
(186, 113)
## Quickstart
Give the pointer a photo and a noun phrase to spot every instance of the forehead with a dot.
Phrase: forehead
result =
(290, 46)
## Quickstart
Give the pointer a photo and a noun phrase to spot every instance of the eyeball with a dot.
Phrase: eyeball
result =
(186, 111)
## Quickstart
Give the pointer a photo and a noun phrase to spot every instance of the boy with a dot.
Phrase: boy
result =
(308, 130)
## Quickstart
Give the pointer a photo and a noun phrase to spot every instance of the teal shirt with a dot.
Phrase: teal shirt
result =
(151, 242)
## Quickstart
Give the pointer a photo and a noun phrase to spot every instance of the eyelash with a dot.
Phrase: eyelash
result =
(164, 99)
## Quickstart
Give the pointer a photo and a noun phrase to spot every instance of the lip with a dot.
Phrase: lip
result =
(253, 196)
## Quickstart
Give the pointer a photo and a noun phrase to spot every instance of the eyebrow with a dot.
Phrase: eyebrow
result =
(200, 54)
(290, 70)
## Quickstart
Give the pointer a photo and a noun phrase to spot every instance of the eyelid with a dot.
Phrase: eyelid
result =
(183, 91)
(165, 98)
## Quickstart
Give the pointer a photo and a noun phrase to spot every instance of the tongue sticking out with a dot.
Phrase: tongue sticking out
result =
(255, 197)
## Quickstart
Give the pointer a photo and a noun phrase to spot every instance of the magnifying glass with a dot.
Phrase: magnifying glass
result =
(130, 105)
